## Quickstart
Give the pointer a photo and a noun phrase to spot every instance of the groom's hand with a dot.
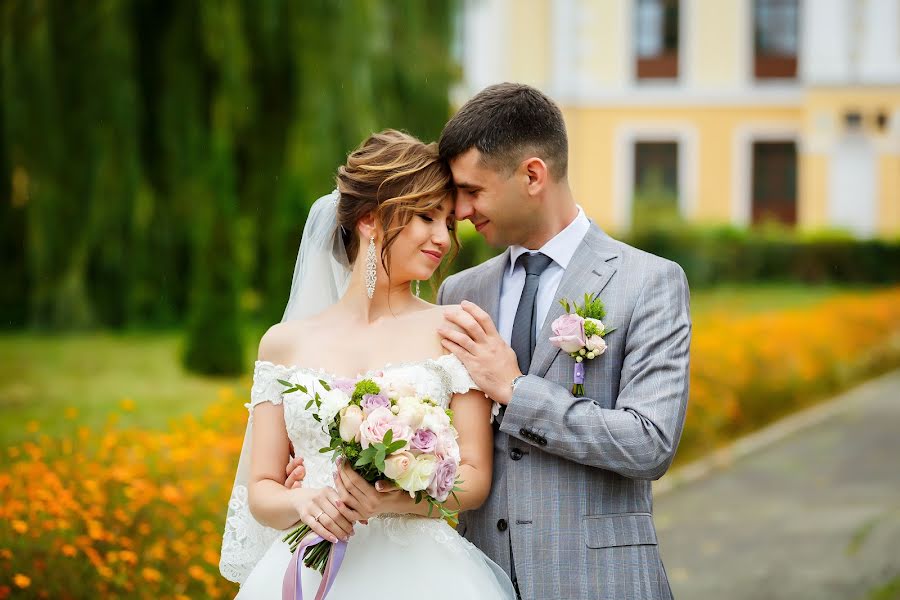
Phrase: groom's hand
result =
(295, 473)
(489, 360)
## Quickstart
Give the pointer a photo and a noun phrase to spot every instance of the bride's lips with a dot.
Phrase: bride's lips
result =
(434, 254)
(481, 225)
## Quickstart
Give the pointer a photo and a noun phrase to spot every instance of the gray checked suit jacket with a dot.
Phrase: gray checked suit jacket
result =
(571, 491)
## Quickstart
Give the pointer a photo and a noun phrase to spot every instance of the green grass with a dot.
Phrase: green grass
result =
(41, 376)
(762, 298)
(887, 591)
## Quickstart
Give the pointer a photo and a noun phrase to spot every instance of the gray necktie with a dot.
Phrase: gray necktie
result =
(523, 338)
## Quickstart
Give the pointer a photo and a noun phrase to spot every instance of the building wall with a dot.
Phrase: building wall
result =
(581, 53)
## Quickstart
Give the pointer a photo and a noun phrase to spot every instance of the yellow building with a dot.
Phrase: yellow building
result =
(741, 111)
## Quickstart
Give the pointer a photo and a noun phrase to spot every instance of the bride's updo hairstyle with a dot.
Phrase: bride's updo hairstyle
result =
(396, 177)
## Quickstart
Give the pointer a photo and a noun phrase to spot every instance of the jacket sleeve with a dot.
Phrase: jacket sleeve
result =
(638, 437)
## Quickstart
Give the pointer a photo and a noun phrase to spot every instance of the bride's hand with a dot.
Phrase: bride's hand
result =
(361, 496)
(317, 508)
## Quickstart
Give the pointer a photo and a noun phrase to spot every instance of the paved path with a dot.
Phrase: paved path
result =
(815, 515)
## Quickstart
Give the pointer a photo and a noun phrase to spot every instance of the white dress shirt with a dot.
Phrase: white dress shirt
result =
(561, 248)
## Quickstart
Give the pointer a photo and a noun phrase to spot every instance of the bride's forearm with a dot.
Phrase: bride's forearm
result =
(272, 504)
(474, 491)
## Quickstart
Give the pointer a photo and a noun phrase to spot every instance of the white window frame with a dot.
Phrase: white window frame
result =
(627, 136)
(742, 165)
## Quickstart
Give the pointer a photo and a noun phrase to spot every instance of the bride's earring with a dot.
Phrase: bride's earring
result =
(417, 288)
(370, 268)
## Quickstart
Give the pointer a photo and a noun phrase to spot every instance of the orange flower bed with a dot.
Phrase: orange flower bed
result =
(119, 513)
(747, 371)
(139, 514)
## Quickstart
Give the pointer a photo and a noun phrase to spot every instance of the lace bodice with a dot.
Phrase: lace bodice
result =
(244, 538)
(437, 379)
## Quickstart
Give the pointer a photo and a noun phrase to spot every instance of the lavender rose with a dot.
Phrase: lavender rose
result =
(372, 401)
(424, 440)
(443, 480)
(568, 333)
(345, 385)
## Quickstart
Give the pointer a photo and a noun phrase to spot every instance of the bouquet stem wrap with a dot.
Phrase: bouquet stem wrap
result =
(292, 588)
(578, 387)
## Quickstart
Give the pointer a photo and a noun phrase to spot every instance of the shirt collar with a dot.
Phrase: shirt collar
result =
(561, 247)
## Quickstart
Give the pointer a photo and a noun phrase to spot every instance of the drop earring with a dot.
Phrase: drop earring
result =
(370, 268)
(417, 288)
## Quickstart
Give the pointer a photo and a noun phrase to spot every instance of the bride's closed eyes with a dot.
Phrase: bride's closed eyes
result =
(451, 223)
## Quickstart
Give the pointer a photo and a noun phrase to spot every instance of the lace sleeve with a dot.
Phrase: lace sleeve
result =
(460, 380)
(265, 383)
(245, 540)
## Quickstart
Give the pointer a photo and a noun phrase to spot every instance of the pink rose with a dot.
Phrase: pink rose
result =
(568, 333)
(447, 447)
(375, 426)
(596, 344)
(442, 480)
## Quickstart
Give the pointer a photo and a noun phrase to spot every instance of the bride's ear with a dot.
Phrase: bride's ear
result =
(368, 226)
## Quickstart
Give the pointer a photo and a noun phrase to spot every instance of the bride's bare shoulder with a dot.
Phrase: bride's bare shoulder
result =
(434, 317)
(280, 344)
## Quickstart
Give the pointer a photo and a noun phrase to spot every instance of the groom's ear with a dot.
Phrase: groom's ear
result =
(537, 173)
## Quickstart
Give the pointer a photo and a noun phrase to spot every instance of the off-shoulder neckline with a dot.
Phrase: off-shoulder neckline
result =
(323, 373)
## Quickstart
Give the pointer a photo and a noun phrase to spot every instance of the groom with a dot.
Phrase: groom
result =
(570, 510)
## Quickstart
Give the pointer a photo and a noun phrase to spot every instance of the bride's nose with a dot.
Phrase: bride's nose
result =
(440, 237)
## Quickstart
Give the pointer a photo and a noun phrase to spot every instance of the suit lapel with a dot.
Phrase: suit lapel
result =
(487, 290)
(588, 273)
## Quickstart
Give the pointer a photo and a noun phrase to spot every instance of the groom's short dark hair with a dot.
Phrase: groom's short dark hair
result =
(506, 122)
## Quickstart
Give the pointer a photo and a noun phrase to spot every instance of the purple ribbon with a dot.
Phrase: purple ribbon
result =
(579, 373)
(292, 587)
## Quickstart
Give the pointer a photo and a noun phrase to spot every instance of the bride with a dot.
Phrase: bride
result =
(351, 314)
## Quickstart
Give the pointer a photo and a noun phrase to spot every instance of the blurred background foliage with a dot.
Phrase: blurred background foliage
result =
(159, 157)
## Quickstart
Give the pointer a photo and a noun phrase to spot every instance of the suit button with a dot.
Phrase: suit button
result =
(524, 432)
(542, 441)
(501, 525)
(515, 454)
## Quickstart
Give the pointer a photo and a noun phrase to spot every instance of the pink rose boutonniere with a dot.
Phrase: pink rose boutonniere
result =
(580, 333)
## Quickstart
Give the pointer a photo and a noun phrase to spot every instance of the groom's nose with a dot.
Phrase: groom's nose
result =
(464, 209)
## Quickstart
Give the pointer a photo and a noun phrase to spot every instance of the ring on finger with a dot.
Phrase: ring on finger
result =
(319, 515)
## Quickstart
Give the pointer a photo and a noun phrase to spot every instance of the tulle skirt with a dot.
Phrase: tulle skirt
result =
(398, 557)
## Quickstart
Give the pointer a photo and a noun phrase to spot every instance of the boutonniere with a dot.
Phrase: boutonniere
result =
(580, 332)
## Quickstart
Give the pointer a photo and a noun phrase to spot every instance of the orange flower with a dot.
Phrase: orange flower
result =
(69, 550)
(151, 575)
(20, 526)
(21, 581)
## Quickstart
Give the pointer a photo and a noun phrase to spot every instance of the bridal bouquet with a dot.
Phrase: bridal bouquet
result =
(386, 432)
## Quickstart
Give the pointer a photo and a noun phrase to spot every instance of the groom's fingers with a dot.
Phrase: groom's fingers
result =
(466, 322)
(460, 339)
(456, 350)
(481, 317)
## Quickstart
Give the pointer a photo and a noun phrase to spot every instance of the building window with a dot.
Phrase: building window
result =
(655, 200)
(656, 39)
(775, 38)
(775, 182)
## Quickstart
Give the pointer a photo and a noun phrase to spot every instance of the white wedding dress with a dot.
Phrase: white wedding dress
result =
(394, 556)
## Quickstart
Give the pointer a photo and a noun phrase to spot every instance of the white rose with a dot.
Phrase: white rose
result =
(597, 322)
(411, 411)
(332, 403)
(435, 418)
(418, 476)
(351, 418)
